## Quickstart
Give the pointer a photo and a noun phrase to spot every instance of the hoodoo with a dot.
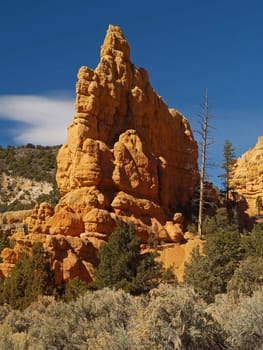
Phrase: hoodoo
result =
(127, 156)
(127, 153)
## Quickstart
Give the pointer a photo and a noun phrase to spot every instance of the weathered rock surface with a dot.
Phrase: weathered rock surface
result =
(134, 157)
(37, 221)
(247, 179)
(127, 156)
(21, 242)
(69, 256)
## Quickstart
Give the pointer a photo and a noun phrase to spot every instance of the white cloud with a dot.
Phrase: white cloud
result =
(43, 119)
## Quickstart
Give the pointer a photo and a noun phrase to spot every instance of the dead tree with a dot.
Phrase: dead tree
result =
(204, 126)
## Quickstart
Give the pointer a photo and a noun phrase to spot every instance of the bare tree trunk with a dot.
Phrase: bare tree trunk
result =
(204, 128)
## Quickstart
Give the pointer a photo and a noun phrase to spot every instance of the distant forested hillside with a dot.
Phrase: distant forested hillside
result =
(27, 176)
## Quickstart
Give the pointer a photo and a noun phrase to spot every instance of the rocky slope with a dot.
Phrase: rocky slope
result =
(127, 156)
(23, 190)
(247, 179)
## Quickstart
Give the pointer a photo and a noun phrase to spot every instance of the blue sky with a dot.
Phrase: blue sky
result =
(186, 46)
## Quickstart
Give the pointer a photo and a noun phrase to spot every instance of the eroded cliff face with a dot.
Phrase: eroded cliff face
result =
(247, 179)
(127, 156)
(126, 153)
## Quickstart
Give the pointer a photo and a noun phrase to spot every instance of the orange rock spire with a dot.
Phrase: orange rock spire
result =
(124, 137)
(127, 155)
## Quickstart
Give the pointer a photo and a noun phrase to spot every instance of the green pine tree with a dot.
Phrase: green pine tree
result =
(228, 162)
(210, 271)
(30, 277)
(122, 266)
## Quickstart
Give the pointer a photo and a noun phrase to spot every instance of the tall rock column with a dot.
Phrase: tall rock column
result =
(127, 154)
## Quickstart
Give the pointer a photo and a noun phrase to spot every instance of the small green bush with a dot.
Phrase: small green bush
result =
(175, 318)
(74, 288)
(167, 318)
(253, 243)
(30, 278)
(209, 273)
(241, 318)
(248, 277)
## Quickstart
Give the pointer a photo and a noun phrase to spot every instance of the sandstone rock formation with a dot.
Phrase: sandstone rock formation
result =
(69, 256)
(127, 155)
(247, 179)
